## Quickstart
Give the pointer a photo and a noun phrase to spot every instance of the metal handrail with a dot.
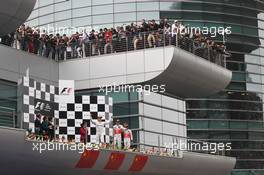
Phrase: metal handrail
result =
(145, 40)
(131, 42)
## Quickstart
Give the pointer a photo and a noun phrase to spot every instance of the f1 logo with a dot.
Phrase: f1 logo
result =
(66, 91)
(40, 105)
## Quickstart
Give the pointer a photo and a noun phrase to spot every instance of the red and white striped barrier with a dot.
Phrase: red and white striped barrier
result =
(112, 161)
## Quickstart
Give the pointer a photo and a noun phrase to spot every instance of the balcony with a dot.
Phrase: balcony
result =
(187, 70)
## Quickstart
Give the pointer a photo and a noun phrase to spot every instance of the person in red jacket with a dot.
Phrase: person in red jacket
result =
(83, 132)
(108, 40)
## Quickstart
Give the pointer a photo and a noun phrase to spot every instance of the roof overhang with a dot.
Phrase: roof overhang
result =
(184, 74)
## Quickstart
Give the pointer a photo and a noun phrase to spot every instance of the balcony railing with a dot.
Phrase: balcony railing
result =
(87, 48)
(146, 40)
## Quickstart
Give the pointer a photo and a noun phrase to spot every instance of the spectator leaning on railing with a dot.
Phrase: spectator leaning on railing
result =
(108, 40)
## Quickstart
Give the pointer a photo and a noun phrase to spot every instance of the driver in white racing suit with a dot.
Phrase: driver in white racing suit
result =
(100, 130)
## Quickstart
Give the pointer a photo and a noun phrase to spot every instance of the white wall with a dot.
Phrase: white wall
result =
(121, 68)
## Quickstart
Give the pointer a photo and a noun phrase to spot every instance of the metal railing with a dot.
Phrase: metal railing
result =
(157, 147)
(145, 40)
(131, 42)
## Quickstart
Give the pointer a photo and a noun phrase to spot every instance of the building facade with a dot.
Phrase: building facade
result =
(156, 120)
(234, 115)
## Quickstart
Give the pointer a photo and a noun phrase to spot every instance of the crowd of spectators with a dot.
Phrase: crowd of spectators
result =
(146, 34)
(44, 129)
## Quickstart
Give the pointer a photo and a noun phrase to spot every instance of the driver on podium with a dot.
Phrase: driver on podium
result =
(128, 137)
(118, 128)
(100, 130)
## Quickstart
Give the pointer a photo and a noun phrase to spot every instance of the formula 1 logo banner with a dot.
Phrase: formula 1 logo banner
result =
(66, 91)
(44, 108)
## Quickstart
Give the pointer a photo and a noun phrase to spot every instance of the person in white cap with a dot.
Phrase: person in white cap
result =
(100, 130)
(176, 31)
(128, 137)
(175, 28)
(118, 128)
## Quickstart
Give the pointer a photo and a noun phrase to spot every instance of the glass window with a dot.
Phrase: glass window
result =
(238, 125)
(118, 1)
(125, 17)
(147, 6)
(170, 5)
(197, 124)
(254, 87)
(81, 3)
(125, 109)
(34, 14)
(236, 29)
(102, 9)
(46, 10)
(231, 9)
(62, 15)
(102, 19)
(218, 124)
(148, 16)
(197, 134)
(219, 135)
(63, 6)
(8, 94)
(238, 76)
(256, 135)
(45, 2)
(133, 96)
(252, 59)
(81, 12)
(262, 51)
(256, 125)
(34, 22)
(261, 24)
(253, 68)
(194, 6)
(127, 7)
(98, 2)
(84, 21)
(46, 19)
(64, 24)
(235, 66)
(56, 1)
(236, 86)
(250, 31)
(119, 97)
(253, 78)
(238, 135)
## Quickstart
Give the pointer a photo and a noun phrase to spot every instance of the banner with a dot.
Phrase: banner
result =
(45, 108)
(66, 91)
